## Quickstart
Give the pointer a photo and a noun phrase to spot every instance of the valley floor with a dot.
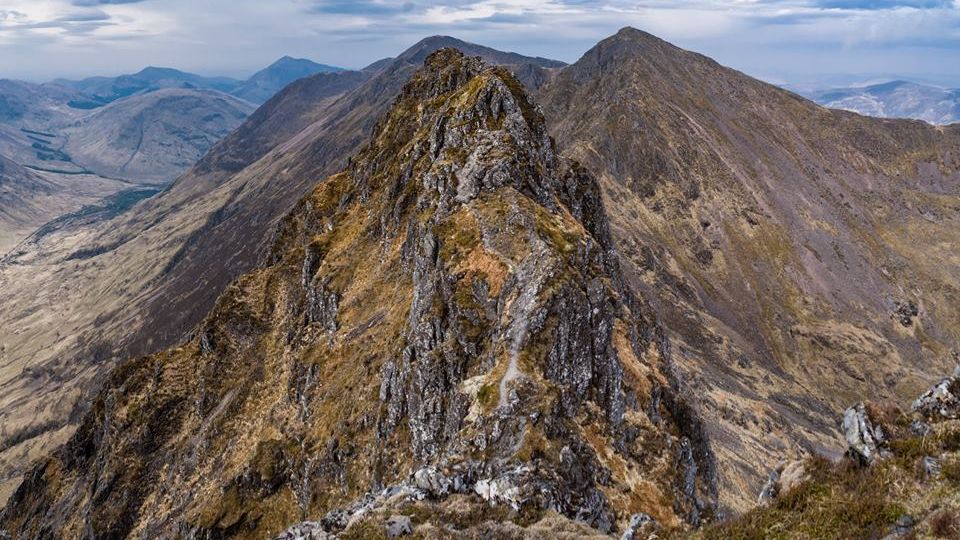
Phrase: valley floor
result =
(74, 192)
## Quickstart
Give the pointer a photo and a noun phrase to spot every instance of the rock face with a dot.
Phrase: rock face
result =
(139, 283)
(446, 316)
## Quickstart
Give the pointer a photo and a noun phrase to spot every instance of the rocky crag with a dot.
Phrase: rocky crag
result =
(443, 322)
(90, 293)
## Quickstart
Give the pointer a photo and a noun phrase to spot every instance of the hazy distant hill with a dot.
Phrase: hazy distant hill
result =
(99, 91)
(895, 99)
(95, 92)
(156, 136)
(270, 80)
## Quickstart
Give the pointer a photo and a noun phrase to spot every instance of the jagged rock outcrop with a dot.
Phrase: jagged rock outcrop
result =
(88, 295)
(865, 439)
(942, 401)
(444, 320)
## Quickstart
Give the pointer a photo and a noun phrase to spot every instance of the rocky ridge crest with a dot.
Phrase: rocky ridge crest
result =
(445, 319)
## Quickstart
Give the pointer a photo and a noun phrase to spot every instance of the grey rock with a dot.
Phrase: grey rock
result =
(864, 440)
(920, 428)
(770, 488)
(637, 523)
(335, 520)
(941, 401)
(784, 477)
(905, 312)
(308, 530)
(322, 306)
(901, 528)
(398, 526)
(931, 467)
(432, 481)
(505, 489)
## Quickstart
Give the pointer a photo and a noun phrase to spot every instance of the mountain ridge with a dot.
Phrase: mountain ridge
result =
(771, 236)
(785, 260)
(204, 230)
(473, 157)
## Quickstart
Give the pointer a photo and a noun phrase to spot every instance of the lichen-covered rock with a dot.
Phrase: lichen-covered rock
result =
(432, 481)
(942, 401)
(308, 530)
(397, 526)
(865, 440)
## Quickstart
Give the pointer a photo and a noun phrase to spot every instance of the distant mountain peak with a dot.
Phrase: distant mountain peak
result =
(265, 83)
(635, 33)
(290, 60)
(158, 70)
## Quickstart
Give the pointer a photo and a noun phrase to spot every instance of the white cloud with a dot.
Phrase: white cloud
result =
(777, 38)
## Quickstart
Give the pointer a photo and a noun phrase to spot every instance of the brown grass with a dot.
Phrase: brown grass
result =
(945, 524)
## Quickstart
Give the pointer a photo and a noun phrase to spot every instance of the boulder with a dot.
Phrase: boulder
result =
(864, 439)
(942, 401)
(433, 482)
(398, 526)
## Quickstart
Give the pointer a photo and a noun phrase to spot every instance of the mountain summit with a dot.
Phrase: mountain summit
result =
(140, 282)
(443, 325)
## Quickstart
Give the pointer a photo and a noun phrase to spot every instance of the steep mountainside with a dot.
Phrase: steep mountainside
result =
(895, 99)
(799, 257)
(85, 297)
(265, 83)
(154, 137)
(898, 480)
(445, 317)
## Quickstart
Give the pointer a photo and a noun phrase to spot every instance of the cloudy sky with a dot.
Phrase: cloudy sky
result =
(785, 41)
